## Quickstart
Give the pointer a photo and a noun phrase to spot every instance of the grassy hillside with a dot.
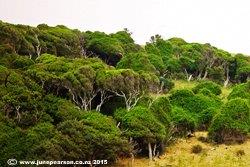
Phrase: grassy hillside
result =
(179, 154)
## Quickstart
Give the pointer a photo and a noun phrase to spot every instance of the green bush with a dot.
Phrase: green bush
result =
(145, 101)
(22, 62)
(161, 109)
(213, 87)
(195, 103)
(180, 97)
(183, 121)
(205, 117)
(12, 143)
(166, 84)
(241, 90)
(232, 123)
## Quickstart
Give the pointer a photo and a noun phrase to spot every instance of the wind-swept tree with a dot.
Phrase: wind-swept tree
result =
(127, 84)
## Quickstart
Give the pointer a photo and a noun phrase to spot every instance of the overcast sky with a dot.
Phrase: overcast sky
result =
(223, 23)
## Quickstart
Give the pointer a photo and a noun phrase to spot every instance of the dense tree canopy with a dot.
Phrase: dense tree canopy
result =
(67, 94)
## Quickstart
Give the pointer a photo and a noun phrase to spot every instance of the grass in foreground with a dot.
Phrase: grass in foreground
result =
(180, 155)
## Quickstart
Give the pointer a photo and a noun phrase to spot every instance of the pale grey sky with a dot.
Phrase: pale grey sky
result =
(223, 23)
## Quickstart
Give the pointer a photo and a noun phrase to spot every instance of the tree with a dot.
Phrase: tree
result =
(94, 137)
(159, 47)
(127, 84)
(224, 59)
(9, 35)
(243, 68)
(105, 47)
(142, 127)
(137, 62)
(77, 77)
(12, 142)
(20, 98)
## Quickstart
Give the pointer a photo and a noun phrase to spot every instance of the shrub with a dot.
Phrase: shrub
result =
(240, 153)
(145, 101)
(180, 97)
(232, 123)
(205, 92)
(22, 62)
(194, 103)
(183, 121)
(167, 84)
(196, 149)
(241, 90)
(161, 109)
(205, 117)
(203, 139)
(213, 87)
(12, 143)
(95, 136)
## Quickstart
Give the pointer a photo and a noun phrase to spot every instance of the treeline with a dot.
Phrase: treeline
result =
(73, 95)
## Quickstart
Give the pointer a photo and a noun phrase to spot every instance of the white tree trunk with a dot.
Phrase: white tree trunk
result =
(190, 77)
(130, 99)
(205, 75)
(227, 77)
(150, 155)
(154, 151)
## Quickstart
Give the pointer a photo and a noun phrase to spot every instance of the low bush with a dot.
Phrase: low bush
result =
(213, 87)
(203, 107)
(196, 149)
(232, 123)
(241, 90)
(205, 117)
(203, 139)
(195, 103)
(167, 84)
(240, 153)
(183, 121)
(161, 109)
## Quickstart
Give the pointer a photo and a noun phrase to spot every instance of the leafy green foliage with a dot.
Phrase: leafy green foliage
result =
(161, 109)
(94, 137)
(183, 121)
(211, 86)
(232, 123)
(241, 90)
(137, 62)
(109, 49)
(50, 77)
(141, 124)
(12, 143)
(199, 105)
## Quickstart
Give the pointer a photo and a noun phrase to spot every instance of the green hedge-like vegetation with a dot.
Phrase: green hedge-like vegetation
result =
(209, 85)
(232, 123)
(67, 94)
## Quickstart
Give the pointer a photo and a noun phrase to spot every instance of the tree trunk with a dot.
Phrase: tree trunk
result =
(150, 156)
(227, 78)
(199, 76)
(132, 160)
(205, 75)
(190, 77)
(154, 151)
